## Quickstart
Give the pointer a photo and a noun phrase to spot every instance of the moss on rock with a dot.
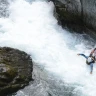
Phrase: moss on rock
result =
(15, 70)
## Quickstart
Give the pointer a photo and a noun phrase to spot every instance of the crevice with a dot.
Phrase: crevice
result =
(82, 16)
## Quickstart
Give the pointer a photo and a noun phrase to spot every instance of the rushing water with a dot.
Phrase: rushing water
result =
(31, 27)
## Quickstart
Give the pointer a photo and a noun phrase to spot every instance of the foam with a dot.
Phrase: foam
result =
(33, 29)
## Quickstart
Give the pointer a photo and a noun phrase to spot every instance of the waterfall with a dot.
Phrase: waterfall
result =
(32, 27)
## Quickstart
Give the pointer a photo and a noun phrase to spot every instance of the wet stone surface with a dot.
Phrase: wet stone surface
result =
(15, 70)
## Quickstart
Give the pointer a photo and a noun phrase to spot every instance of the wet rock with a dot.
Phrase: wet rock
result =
(15, 70)
(69, 13)
(76, 14)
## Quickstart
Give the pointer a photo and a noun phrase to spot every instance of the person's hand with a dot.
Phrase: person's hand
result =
(78, 54)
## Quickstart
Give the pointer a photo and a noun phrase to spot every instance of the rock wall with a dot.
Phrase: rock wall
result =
(89, 13)
(75, 13)
(68, 10)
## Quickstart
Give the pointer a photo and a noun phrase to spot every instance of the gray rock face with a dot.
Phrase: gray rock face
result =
(15, 70)
(89, 13)
(78, 12)
(68, 10)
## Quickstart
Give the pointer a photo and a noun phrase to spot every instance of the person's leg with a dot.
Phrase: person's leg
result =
(84, 56)
(91, 66)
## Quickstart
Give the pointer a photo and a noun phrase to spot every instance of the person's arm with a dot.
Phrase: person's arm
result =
(83, 55)
(92, 51)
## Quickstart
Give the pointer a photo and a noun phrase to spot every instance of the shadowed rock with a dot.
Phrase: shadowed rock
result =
(78, 15)
(15, 70)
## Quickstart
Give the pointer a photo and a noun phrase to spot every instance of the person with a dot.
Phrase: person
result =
(90, 60)
(93, 53)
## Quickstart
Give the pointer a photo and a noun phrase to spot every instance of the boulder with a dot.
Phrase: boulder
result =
(15, 70)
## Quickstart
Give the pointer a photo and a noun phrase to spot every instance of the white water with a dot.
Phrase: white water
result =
(33, 28)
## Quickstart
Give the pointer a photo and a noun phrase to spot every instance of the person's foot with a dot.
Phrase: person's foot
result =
(91, 72)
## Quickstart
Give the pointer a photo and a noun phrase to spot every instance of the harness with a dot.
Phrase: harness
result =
(91, 61)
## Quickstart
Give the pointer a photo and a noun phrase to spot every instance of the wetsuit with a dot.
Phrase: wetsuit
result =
(91, 63)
